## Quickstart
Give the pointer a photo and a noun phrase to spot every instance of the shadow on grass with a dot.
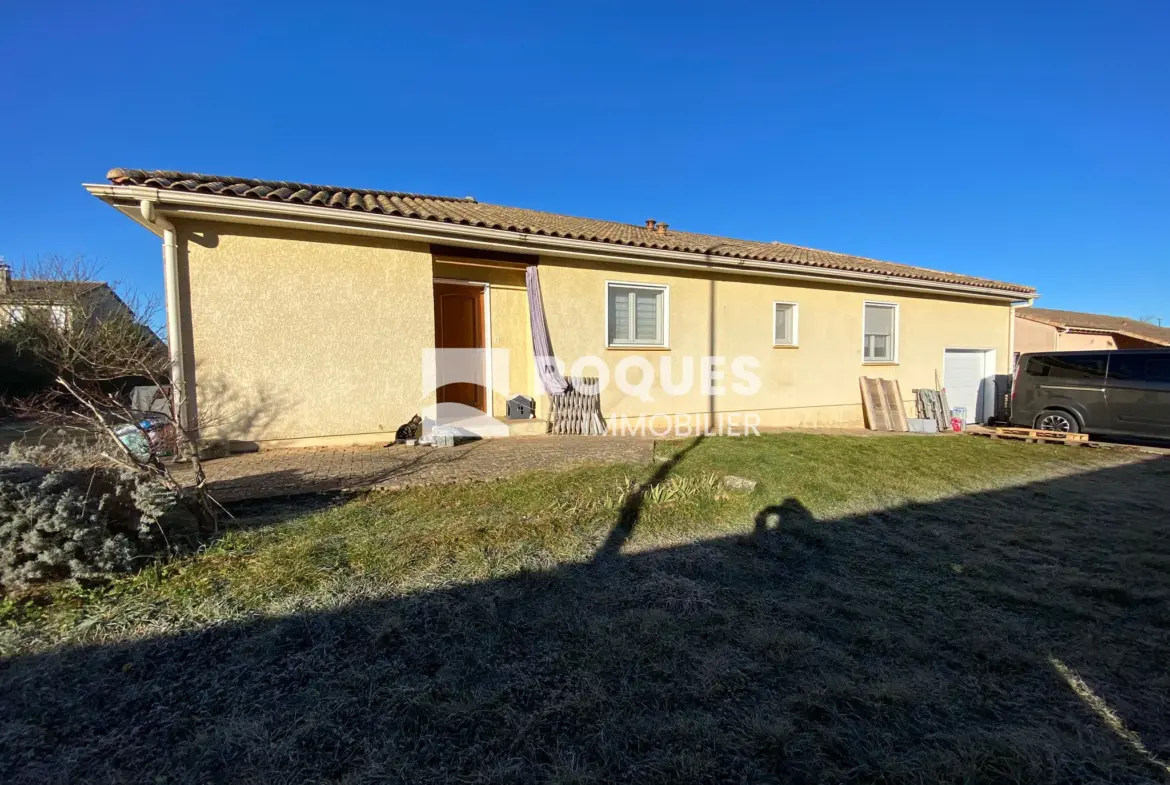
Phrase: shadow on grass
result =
(266, 499)
(927, 643)
(405, 466)
(631, 509)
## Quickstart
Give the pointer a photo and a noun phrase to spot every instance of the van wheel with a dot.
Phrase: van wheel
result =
(1056, 420)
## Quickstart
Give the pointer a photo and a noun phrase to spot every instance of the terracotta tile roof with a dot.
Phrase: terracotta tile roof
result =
(469, 212)
(1074, 320)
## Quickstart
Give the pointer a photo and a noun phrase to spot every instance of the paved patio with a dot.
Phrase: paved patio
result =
(314, 470)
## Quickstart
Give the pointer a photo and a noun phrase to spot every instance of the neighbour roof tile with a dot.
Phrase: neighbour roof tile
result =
(29, 290)
(1075, 320)
(467, 211)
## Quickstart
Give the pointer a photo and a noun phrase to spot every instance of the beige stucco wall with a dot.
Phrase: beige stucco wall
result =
(1034, 336)
(814, 384)
(1082, 341)
(311, 336)
(297, 335)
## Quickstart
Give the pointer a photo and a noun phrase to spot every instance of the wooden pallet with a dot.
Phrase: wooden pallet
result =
(1033, 436)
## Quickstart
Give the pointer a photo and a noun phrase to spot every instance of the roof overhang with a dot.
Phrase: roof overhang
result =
(1088, 330)
(1072, 328)
(1024, 313)
(258, 212)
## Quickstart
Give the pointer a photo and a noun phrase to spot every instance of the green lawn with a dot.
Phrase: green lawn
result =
(894, 608)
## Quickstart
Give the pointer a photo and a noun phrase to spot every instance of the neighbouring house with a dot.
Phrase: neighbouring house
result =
(63, 303)
(1047, 330)
(309, 314)
(68, 307)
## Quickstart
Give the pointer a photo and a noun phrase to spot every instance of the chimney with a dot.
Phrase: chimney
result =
(650, 224)
(662, 228)
(5, 277)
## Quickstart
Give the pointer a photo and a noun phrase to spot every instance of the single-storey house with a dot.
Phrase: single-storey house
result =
(61, 302)
(305, 314)
(1048, 330)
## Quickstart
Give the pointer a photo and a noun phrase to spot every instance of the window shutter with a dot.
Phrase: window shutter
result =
(784, 321)
(637, 315)
(879, 320)
(619, 315)
(647, 317)
(879, 331)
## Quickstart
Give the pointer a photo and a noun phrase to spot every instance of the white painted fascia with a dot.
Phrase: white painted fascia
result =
(234, 209)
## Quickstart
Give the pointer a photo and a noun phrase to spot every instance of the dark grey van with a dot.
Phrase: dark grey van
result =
(1124, 392)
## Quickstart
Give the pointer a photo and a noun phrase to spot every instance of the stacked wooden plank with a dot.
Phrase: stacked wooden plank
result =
(932, 404)
(881, 400)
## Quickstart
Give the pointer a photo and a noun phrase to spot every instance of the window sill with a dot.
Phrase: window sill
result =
(879, 362)
(785, 346)
(626, 347)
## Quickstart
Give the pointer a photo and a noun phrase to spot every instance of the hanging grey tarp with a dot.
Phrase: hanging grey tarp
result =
(546, 368)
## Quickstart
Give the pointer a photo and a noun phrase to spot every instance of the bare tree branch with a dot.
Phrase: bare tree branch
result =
(98, 345)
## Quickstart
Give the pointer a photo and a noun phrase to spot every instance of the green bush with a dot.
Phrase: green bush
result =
(62, 515)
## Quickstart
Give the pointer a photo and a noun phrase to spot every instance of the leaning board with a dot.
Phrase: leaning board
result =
(881, 400)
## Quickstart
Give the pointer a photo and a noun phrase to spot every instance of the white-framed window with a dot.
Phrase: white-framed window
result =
(784, 323)
(880, 333)
(636, 314)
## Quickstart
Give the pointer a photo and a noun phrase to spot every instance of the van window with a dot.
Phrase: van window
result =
(1140, 367)
(1067, 366)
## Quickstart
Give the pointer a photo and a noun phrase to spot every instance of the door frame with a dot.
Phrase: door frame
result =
(487, 334)
(989, 361)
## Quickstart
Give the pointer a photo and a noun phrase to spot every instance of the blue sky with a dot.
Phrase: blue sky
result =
(1028, 142)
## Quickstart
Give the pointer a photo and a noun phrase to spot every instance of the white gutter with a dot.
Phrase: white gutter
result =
(171, 293)
(315, 218)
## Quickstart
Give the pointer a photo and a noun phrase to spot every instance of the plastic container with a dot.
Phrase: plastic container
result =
(135, 440)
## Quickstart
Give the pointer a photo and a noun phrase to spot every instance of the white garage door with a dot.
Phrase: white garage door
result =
(968, 375)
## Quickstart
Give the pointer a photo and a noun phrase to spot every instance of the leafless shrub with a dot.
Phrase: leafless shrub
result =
(98, 344)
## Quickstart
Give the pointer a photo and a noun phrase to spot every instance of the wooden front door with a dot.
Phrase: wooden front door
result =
(459, 325)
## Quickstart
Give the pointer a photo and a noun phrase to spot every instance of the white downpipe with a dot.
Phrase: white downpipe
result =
(170, 249)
